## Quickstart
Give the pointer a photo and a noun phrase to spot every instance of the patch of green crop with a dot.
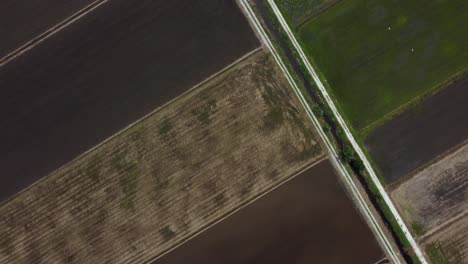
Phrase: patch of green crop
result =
(128, 179)
(93, 169)
(167, 233)
(418, 228)
(165, 127)
(204, 112)
(378, 56)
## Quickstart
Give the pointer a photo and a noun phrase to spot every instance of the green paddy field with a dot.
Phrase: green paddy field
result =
(380, 56)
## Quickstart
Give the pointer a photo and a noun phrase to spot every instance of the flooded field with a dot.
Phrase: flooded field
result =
(307, 220)
(419, 135)
(22, 21)
(103, 72)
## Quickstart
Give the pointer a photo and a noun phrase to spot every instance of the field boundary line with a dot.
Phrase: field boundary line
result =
(256, 198)
(415, 102)
(192, 89)
(349, 135)
(446, 224)
(343, 173)
(450, 153)
(51, 31)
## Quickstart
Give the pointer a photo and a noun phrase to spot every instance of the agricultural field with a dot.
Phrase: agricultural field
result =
(101, 73)
(449, 246)
(22, 21)
(168, 176)
(299, 11)
(379, 57)
(435, 202)
(411, 140)
(299, 222)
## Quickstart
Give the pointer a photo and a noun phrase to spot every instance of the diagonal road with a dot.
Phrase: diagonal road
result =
(349, 135)
(357, 196)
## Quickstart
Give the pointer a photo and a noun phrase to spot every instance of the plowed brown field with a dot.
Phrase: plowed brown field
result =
(167, 177)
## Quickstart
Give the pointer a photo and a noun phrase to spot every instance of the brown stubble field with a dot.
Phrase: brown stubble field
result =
(168, 176)
(309, 219)
(435, 203)
(451, 242)
(103, 72)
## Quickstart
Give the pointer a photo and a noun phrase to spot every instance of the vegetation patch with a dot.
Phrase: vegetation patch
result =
(204, 112)
(377, 56)
(165, 127)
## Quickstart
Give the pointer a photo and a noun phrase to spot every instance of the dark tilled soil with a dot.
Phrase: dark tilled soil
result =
(24, 20)
(307, 220)
(105, 71)
(414, 138)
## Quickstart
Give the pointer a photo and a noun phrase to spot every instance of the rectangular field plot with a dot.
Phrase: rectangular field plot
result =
(449, 245)
(412, 139)
(436, 194)
(182, 168)
(378, 56)
(21, 21)
(307, 220)
(299, 11)
(103, 72)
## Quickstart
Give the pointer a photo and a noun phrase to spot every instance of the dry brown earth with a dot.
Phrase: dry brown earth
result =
(452, 242)
(435, 203)
(436, 194)
(309, 219)
(170, 175)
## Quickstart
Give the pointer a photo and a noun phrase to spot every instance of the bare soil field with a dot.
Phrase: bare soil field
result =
(103, 72)
(436, 194)
(174, 173)
(24, 20)
(450, 245)
(309, 219)
(411, 140)
(435, 203)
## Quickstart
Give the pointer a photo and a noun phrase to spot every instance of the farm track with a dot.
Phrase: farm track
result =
(99, 74)
(25, 23)
(152, 186)
(374, 223)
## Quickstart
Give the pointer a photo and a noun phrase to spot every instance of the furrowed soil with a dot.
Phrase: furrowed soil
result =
(437, 194)
(22, 21)
(105, 71)
(450, 245)
(167, 177)
(414, 138)
(309, 219)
